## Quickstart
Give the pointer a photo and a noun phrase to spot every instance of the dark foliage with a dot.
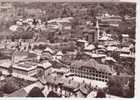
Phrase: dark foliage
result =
(100, 93)
(53, 94)
(36, 92)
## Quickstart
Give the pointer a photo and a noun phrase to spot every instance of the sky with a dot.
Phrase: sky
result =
(72, 0)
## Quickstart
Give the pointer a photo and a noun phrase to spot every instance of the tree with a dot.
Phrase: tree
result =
(131, 87)
(10, 86)
(115, 86)
(35, 92)
(1, 94)
(53, 94)
(100, 93)
(95, 11)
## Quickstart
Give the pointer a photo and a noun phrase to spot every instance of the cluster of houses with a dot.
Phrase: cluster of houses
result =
(57, 65)
(48, 66)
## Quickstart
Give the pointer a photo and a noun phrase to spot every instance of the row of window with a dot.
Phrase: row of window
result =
(94, 74)
(3, 69)
(33, 72)
(20, 72)
(88, 71)
(93, 78)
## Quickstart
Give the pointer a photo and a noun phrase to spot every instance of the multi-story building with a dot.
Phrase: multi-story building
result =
(5, 7)
(90, 35)
(25, 69)
(91, 69)
(66, 87)
(111, 20)
(44, 69)
(4, 66)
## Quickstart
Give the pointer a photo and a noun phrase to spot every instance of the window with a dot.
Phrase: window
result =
(96, 78)
(106, 77)
(99, 72)
(103, 73)
(109, 74)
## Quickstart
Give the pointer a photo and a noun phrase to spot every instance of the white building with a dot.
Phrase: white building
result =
(25, 69)
(4, 66)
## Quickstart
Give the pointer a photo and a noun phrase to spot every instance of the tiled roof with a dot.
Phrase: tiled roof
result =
(110, 59)
(85, 89)
(5, 63)
(59, 53)
(89, 47)
(91, 63)
(46, 55)
(49, 50)
(69, 83)
(45, 64)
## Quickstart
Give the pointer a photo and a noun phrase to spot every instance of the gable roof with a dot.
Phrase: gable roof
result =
(92, 64)
(49, 50)
(67, 83)
(45, 64)
(59, 53)
(71, 84)
(84, 88)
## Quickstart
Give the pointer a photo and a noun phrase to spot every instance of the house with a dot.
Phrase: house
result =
(92, 94)
(25, 69)
(125, 38)
(49, 50)
(7, 9)
(60, 85)
(97, 56)
(69, 85)
(82, 43)
(31, 11)
(90, 69)
(59, 55)
(63, 24)
(82, 91)
(109, 60)
(127, 56)
(44, 68)
(89, 48)
(64, 86)
(69, 54)
(111, 19)
(5, 65)
(90, 35)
